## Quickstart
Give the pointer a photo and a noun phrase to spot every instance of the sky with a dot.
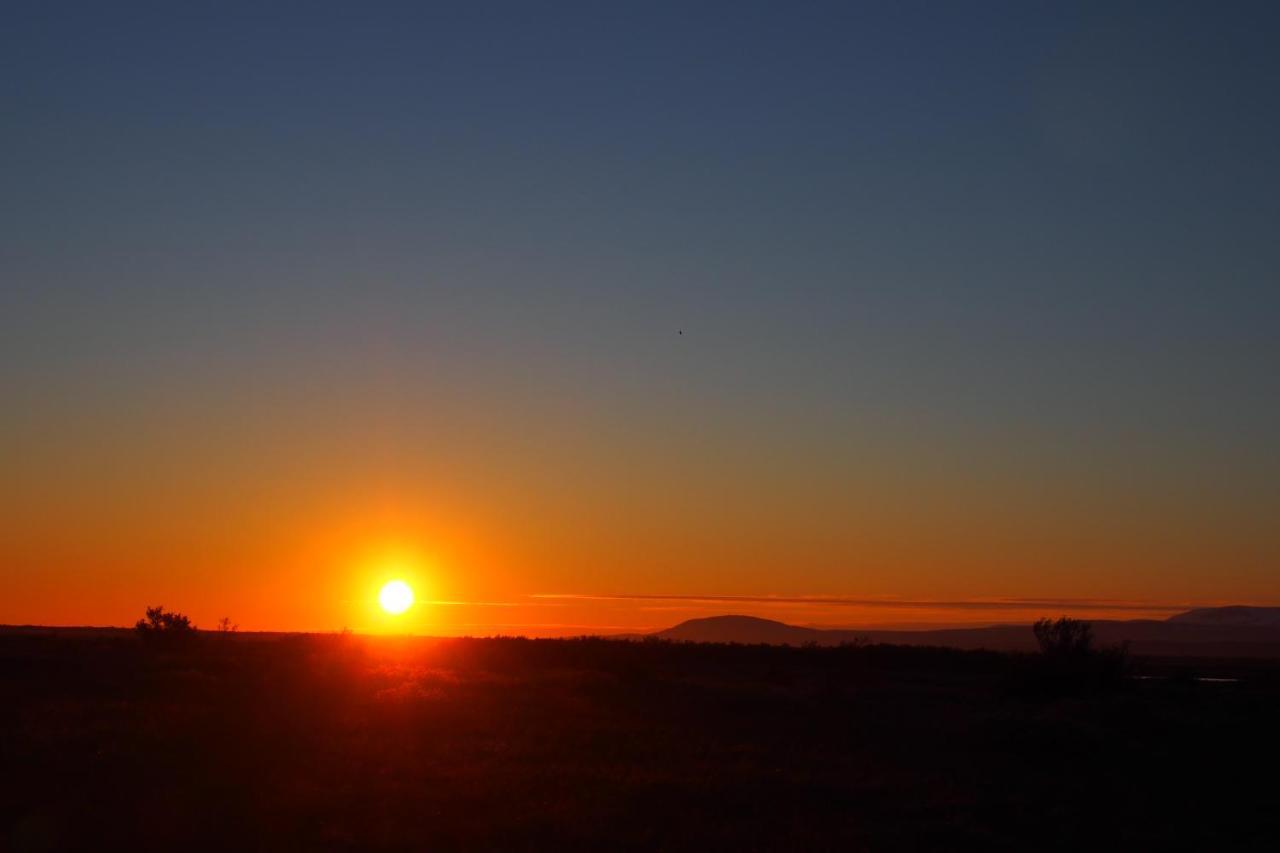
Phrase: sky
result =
(588, 317)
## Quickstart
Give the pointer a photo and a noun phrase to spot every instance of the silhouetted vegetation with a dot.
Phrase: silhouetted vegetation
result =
(338, 741)
(1068, 661)
(162, 628)
(1063, 638)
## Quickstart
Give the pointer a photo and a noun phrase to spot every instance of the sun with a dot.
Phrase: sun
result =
(396, 597)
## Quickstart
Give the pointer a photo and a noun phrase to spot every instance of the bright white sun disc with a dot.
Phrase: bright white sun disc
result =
(396, 597)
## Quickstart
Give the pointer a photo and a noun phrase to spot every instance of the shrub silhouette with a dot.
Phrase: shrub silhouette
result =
(1064, 637)
(1069, 662)
(164, 628)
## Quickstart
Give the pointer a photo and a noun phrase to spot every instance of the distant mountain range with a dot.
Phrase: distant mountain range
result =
(1203, 632)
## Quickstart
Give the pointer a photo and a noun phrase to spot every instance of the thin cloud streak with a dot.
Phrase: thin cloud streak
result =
(453, 603)
(962, 604)
(558, 626)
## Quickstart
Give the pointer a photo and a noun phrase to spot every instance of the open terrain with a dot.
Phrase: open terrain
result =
(258, 742)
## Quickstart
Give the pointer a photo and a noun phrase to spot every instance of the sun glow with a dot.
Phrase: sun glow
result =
(395, 597)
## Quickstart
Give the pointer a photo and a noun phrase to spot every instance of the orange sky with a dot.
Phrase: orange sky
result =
(289, 514)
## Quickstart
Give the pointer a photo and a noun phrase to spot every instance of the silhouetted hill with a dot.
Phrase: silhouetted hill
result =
(1238, 616)
(1206, 632)
(745, 629)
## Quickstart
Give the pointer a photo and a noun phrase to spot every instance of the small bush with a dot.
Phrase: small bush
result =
(1064, 637)
(164, 628)
(1068, 661)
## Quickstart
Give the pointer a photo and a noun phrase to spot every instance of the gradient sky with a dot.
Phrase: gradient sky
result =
(979, 305)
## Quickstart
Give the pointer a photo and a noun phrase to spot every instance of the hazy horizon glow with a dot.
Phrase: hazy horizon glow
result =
(677, 311)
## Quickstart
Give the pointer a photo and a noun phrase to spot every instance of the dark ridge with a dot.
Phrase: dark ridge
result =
(1220, 632)
(1236, 615)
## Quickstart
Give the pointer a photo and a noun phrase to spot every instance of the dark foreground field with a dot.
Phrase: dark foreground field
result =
(338, 742)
